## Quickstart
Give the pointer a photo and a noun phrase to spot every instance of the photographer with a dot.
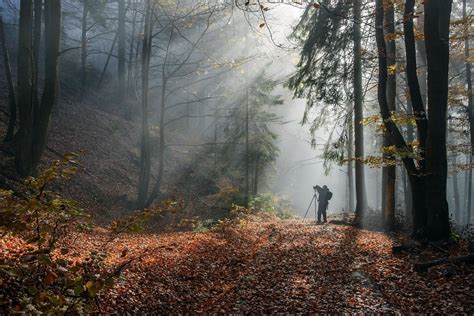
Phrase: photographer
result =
(324, 195)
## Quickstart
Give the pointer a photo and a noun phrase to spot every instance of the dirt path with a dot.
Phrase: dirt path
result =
(281, 266)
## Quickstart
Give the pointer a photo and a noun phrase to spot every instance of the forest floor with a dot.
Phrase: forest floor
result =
(274, 266)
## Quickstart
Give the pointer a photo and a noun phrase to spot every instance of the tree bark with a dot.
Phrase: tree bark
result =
(470, 114)
(410, 136)
(216, 149)
(416, 98)
(145, 166)
(11, 87)
(122, 13)
(465, 191)
(389, 172)
(421, 55)
(247, 158)
(417, 181)
(257, 171)
(407, 197)
(419, 214)
(361, 194)
(51, 81)
(350, 169)
(161, 150)
(137, 55)
(23, 161)
(469, 192)
(130, 55)
(468, 79)
(38, 8)
(457, 207)
(437, 22)
(84, 49)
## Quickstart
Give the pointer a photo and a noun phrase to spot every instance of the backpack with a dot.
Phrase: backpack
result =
(329, 195)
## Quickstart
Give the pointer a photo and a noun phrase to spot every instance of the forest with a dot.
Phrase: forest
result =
(236, 157)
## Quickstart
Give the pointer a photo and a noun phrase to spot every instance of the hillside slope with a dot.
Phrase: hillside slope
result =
(107, 142)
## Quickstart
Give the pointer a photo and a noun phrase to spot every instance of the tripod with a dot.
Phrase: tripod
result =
(315, 206)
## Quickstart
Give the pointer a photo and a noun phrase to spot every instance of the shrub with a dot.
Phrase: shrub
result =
(271, 204)
(44, 278)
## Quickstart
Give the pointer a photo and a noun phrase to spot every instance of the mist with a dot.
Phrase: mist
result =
(236, 157)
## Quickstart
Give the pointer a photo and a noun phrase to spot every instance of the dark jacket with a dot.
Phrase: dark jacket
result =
(323, 195)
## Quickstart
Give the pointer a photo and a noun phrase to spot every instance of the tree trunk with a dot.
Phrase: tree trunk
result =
(378, 189)
(257, 171)
(410, 136)
(416, 98)
(162, 146)
(247, 158)
(361, 194)
(216, 149)
(121, 32)
(417, 180)
(51, 81)
(145, 166)
(407, 197)
(11, 87)
(84, 49)
(465, 191)
(161, 150)
(350, 169)
(389, 172)
(130, 55)
(437, 22)
(471, 115)
(457, 207)
(137, 55)
(419, 210)
(424, 266)
(469, 192)
(421, 55)
(107, 61)
(23, 159)
(38, 7)
(468, 79)
(419, 214)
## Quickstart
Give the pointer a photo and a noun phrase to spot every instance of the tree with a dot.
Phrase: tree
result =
(145, 155)
(38, 14)
(428, 178)
(95, 9)
(11, 87)
(350, 169)
(389, 172)
(437, 22)
(329, 75)
(250, 143)
(361, 194)
(33, 132)
(84, 28)
(468, 76)
(470, 110)
(23, 162)
(51, 81)
(122, 14)
(173, 62)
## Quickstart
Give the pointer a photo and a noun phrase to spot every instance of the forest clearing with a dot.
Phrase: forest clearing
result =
(236, 157)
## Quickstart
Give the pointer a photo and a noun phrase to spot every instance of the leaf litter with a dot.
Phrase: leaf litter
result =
(273, 266)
